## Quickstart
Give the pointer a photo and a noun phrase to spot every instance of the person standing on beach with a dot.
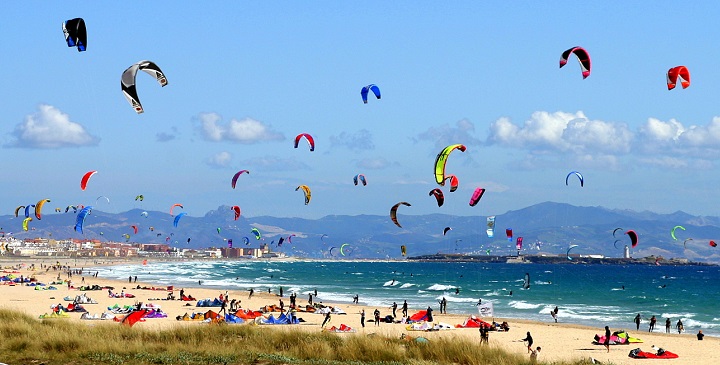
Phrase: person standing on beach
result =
(223, 307)
(700, 335)
(667, 325)
(680, 326)
(606, 343)
(310, 299)
(252, 291)
(534, 354)
(529, 340)
(394, 308)
(129, 279)
(653, 320)
(356, 299)
(637, 322)
(404, 309)
(281, 293)
(362, 318)
(377, 317)
(428, 312)
(182, 293)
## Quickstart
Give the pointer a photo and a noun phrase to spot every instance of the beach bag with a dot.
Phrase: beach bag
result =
(634, 352)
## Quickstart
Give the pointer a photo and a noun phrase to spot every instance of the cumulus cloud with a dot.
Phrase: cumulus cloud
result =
(245, 131)
(360, 140)
(50, 128)
(673, 138)
(219, 160)
(463, 132)
(562, 132)
(274, 163)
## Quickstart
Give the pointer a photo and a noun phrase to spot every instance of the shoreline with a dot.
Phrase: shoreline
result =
(560, 341)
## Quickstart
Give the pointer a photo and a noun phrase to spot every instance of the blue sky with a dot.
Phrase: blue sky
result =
(244, 78)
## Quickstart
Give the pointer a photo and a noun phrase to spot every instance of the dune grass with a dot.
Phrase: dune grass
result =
(27, 340)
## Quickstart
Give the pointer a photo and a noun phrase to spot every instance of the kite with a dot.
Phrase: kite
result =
(309, 138)
(80, 220)
(290, 238)
(361, 178)
(366, 89)
(17, 210)
(526, 281)
(27, 210)
(490, 226)
(454, 182)
(103, 197)
(75, 33)
(476, 196)
(236, 209)
(678, 73)
(173, 207)
(85, 178)
(672, 232)
(306, 191)
(583, 58)
(615, 243)
(438, 196)
(445, 231)
(144, 214)
(256, 232)
(685, 242)
(616, 229)
(568, 251)
(518, 244)
(25, 223)
(230, 243)
(633, 237)
(403, 250)
(139, 197)
(393, 212)
(342, 248)
(508, 233)
(135, 228)
(712, 243)
(441, 160)
(235, 177)
(582, 181)
(127, 81)
(177, 219)
(246, 240)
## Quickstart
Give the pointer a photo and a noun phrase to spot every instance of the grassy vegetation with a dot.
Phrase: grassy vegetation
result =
(29, 341)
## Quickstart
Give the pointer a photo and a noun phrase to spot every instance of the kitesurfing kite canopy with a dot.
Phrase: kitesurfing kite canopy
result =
(127, 81)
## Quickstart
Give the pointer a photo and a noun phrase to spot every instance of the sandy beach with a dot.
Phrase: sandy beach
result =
(559, 341)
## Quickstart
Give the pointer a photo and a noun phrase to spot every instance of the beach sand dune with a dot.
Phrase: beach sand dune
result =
(559, 341)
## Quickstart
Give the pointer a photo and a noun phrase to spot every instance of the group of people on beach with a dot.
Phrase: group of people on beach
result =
(653, 321)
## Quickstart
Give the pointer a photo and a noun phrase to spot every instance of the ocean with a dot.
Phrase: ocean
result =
(591, 295)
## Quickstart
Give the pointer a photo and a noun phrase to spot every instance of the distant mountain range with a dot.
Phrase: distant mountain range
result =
(546, 228)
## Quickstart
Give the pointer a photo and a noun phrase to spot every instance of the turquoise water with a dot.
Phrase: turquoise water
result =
(585, 294)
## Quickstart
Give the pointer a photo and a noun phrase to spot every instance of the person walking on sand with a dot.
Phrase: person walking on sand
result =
(326, 320)
(252, 291)
(362, 318)
(428, 312)
(653, 320)
(667, 325)
(529, 340)
(680, 326)
(404, 309)
(637, 322)
(606, 343)
(534, 355)
(376, 313)
(394, 308)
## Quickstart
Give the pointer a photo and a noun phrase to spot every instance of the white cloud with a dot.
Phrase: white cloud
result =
(51, 128)
(360, 140)
(674, 139)
(221, 159)
(245, 131)
(562, 132)
(463, 132)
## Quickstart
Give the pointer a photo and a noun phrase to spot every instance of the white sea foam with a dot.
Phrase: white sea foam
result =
(406, 285)
(521, 304)
(440, 287)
